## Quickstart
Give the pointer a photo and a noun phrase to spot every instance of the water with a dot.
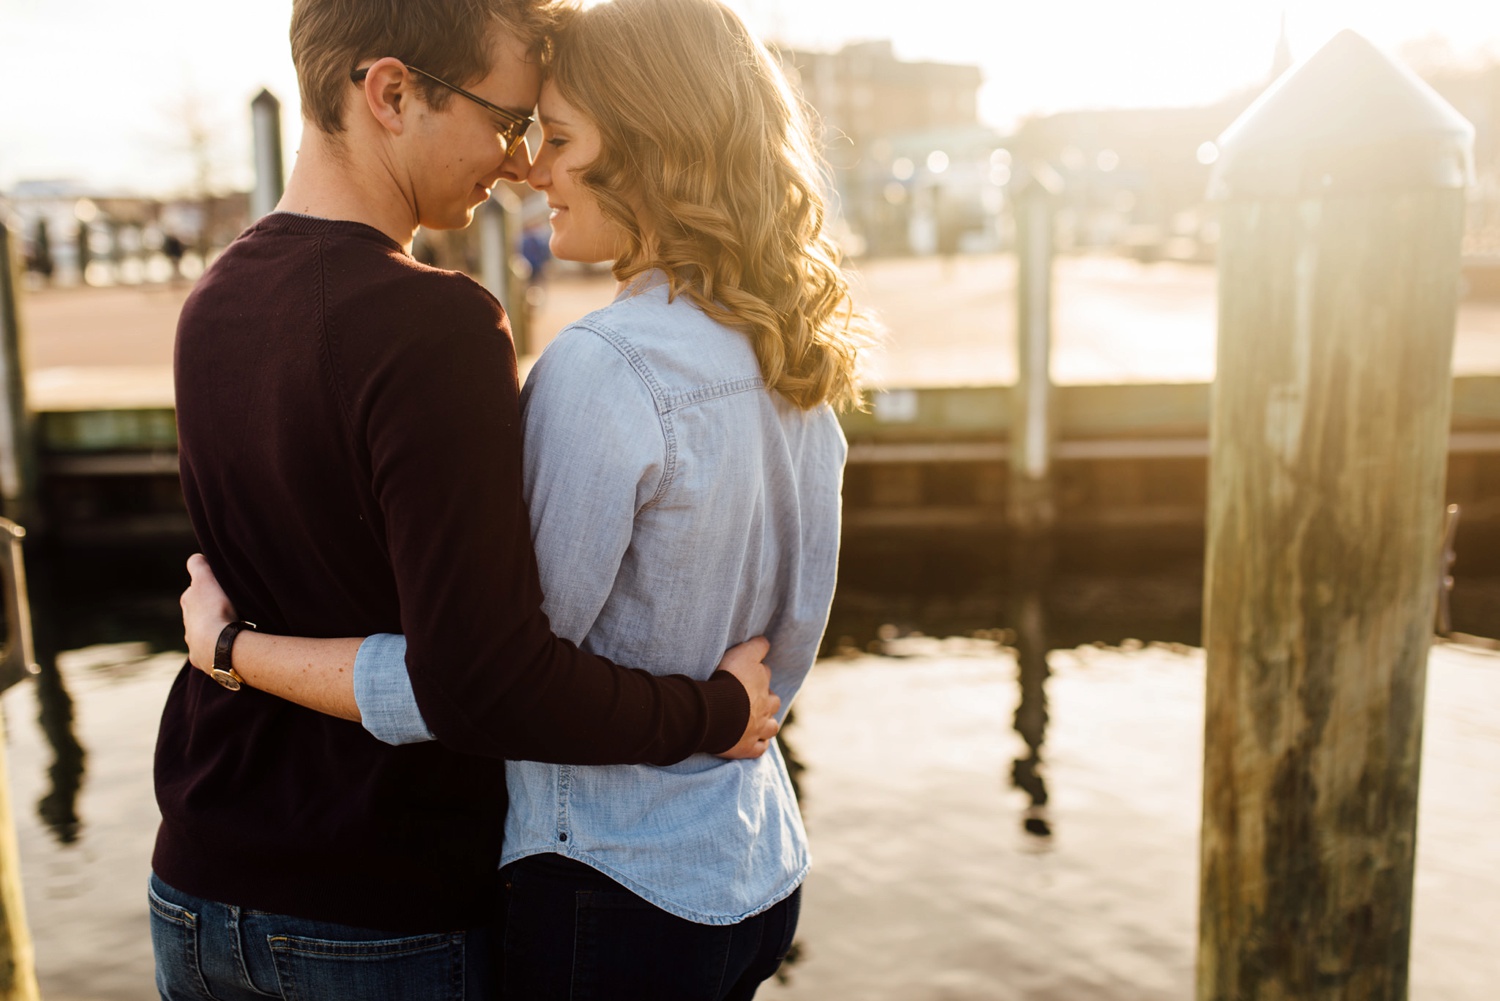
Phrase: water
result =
(927, 883)
(984, 825)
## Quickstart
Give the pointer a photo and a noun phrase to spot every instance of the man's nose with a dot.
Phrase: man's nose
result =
(517, 166)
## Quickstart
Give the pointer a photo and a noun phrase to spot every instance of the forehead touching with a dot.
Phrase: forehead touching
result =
(553, 109)
(513, 73)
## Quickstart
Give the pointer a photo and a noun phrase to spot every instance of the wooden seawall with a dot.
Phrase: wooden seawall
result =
(1126, 456)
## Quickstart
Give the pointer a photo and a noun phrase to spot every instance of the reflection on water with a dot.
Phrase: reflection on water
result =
(58, 809)
(1031, 563)
(80, 739)
(81, 604)
(1012, 813)
(1031, 717)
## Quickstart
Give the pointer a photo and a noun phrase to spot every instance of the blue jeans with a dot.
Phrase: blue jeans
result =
(206, 951)
(574, 934)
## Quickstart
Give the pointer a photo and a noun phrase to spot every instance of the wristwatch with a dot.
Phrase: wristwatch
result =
(223, 670)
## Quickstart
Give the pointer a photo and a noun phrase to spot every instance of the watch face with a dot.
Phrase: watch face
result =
(226, 678)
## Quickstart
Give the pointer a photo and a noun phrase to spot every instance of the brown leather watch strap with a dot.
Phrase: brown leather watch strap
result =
(223, 670)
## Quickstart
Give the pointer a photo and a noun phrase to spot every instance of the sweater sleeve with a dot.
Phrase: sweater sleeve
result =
(441, 422)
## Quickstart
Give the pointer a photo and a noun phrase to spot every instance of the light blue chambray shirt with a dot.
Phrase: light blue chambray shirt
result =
(677, 508)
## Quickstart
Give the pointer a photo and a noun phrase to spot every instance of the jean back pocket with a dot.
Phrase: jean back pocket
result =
(413, 968)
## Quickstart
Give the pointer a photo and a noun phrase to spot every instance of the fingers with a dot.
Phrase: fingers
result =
(199, 570)
(766, 709)
(750, 652)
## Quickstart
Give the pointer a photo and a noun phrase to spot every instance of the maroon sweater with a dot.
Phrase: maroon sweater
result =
(350, 442)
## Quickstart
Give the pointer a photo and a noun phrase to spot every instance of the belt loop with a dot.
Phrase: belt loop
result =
(236, 946)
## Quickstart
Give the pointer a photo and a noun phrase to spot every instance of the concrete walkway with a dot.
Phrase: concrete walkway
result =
(950, 323)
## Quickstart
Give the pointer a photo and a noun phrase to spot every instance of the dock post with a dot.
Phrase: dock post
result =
(17, 466)
(17, 440)
(497, 220)
(17, 958)
(1342, 193)
(1032, 434)
(265, 116)
(1030, 512)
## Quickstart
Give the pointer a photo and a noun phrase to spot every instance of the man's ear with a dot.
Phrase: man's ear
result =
(388, 93)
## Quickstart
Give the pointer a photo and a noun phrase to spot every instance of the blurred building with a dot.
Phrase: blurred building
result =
(863, 92)
(917, 172)
(1475, 92)
(911, 160)
(1133, 178)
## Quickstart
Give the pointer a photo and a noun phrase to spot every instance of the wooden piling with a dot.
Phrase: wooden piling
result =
(1031, 507)
(265, 116)
(17, 438)
(498, 222)
(1342, 212)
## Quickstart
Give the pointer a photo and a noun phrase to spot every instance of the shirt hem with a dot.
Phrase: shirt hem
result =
(676, 909)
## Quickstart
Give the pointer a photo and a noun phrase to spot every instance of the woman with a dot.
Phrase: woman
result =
(683, 468)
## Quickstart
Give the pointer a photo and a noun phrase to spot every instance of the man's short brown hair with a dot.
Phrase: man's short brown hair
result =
(448, 38)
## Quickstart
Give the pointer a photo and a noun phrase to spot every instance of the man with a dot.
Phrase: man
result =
(350, 443)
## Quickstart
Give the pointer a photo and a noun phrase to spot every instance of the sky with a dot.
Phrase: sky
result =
(107, 89)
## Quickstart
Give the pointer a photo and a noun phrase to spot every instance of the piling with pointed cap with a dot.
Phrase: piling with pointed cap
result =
(1342, 195)
(265, 115)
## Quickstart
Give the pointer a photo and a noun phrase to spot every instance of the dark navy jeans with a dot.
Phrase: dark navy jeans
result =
(207, 951)
(574, 934)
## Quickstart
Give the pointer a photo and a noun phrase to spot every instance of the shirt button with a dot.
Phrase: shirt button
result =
(563, 836)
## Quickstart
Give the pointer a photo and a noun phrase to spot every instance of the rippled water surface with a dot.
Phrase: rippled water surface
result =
(927, 885)
(932, 877)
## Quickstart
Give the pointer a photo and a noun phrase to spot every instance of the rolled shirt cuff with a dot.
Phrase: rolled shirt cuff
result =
(382, 690)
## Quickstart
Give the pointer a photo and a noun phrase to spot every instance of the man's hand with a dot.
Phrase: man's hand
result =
(745, 663)
(205, 612)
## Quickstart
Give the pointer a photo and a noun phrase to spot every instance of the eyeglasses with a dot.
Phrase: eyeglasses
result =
(513, 126)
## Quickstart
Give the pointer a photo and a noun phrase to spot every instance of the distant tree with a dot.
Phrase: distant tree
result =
(197, 134)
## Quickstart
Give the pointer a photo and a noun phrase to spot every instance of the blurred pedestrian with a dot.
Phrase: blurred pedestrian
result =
(173, 248)
(39, 261)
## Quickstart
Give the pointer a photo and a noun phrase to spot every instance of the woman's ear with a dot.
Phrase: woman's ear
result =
(388, 92)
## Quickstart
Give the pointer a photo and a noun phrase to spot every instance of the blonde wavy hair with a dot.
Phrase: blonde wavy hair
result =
(707, 162)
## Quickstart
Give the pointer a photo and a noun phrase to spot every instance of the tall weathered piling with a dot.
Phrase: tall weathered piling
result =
(17, 958)
(270, 178)
(1031, 511)
(1032, 434)
(17, 467)
(498, 223)
(1342, 194)
(17, 444)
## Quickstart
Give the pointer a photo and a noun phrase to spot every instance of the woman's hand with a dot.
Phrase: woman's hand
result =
(205, 612)
(745, 662)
